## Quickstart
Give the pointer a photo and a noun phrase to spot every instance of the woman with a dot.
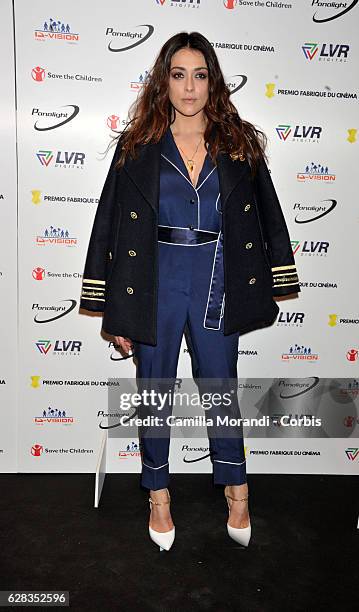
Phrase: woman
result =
(189, 237)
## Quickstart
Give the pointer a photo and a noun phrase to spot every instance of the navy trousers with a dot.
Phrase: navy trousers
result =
(181, 306)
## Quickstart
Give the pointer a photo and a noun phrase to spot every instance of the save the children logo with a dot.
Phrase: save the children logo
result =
(38, 74)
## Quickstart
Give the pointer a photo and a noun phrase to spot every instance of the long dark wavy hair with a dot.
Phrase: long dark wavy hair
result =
(151, 113)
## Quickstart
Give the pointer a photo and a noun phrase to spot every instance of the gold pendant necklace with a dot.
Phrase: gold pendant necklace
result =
(190, 163)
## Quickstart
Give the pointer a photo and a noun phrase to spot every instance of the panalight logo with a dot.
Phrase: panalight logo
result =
(38, 74)
(139, 37)
(300, 133)
(43, 312)
(325, 52)
(55, 29)
(200, 453)
(38, 273)
(236, 82)
(315, 211)
(37, 450)
(340, 9)
(45, 121)
(315, 171)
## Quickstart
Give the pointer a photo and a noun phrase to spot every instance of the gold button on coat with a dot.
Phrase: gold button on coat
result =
(247, 207)
(249, 245)
(132, 253)
(129, 290)
(252, 280)
(133, 214)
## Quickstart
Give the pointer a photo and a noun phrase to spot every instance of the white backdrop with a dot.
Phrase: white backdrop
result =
(290, 66)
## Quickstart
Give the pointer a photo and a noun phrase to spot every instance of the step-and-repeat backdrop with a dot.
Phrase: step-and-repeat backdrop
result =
(71, 73)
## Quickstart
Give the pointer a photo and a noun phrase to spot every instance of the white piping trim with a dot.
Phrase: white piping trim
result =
(174, 165)
(184, 176)
(204, 180)
(155, 468)
(209, 291)
(194, 230)
(187, 245)
(230, 462)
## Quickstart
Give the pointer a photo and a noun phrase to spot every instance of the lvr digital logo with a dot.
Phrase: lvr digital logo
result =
(64, 159)
(60, 346)
(310, 247)
(299, 132)
(325, 51)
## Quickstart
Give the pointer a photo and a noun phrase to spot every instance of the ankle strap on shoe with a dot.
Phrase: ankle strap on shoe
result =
(152, 501)
(235, 499)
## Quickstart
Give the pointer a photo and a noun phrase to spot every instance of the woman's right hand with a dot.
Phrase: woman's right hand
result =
(125, 343)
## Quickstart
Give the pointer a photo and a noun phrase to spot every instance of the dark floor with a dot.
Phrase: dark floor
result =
(303, 555)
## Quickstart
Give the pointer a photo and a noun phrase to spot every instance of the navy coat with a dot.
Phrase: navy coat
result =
(121, 269)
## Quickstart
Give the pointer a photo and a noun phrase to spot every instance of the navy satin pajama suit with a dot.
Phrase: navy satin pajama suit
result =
(191, 300)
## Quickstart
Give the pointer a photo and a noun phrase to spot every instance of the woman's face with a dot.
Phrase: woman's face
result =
(188, 81)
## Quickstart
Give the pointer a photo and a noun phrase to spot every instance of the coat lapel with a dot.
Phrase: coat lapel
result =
(145, 173)
(230, 173)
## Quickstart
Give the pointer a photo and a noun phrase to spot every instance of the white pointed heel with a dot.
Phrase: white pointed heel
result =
(164, 539)
(240, 535)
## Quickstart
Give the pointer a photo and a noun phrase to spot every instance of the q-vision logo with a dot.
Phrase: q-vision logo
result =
(139, 37)
(45, 121)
